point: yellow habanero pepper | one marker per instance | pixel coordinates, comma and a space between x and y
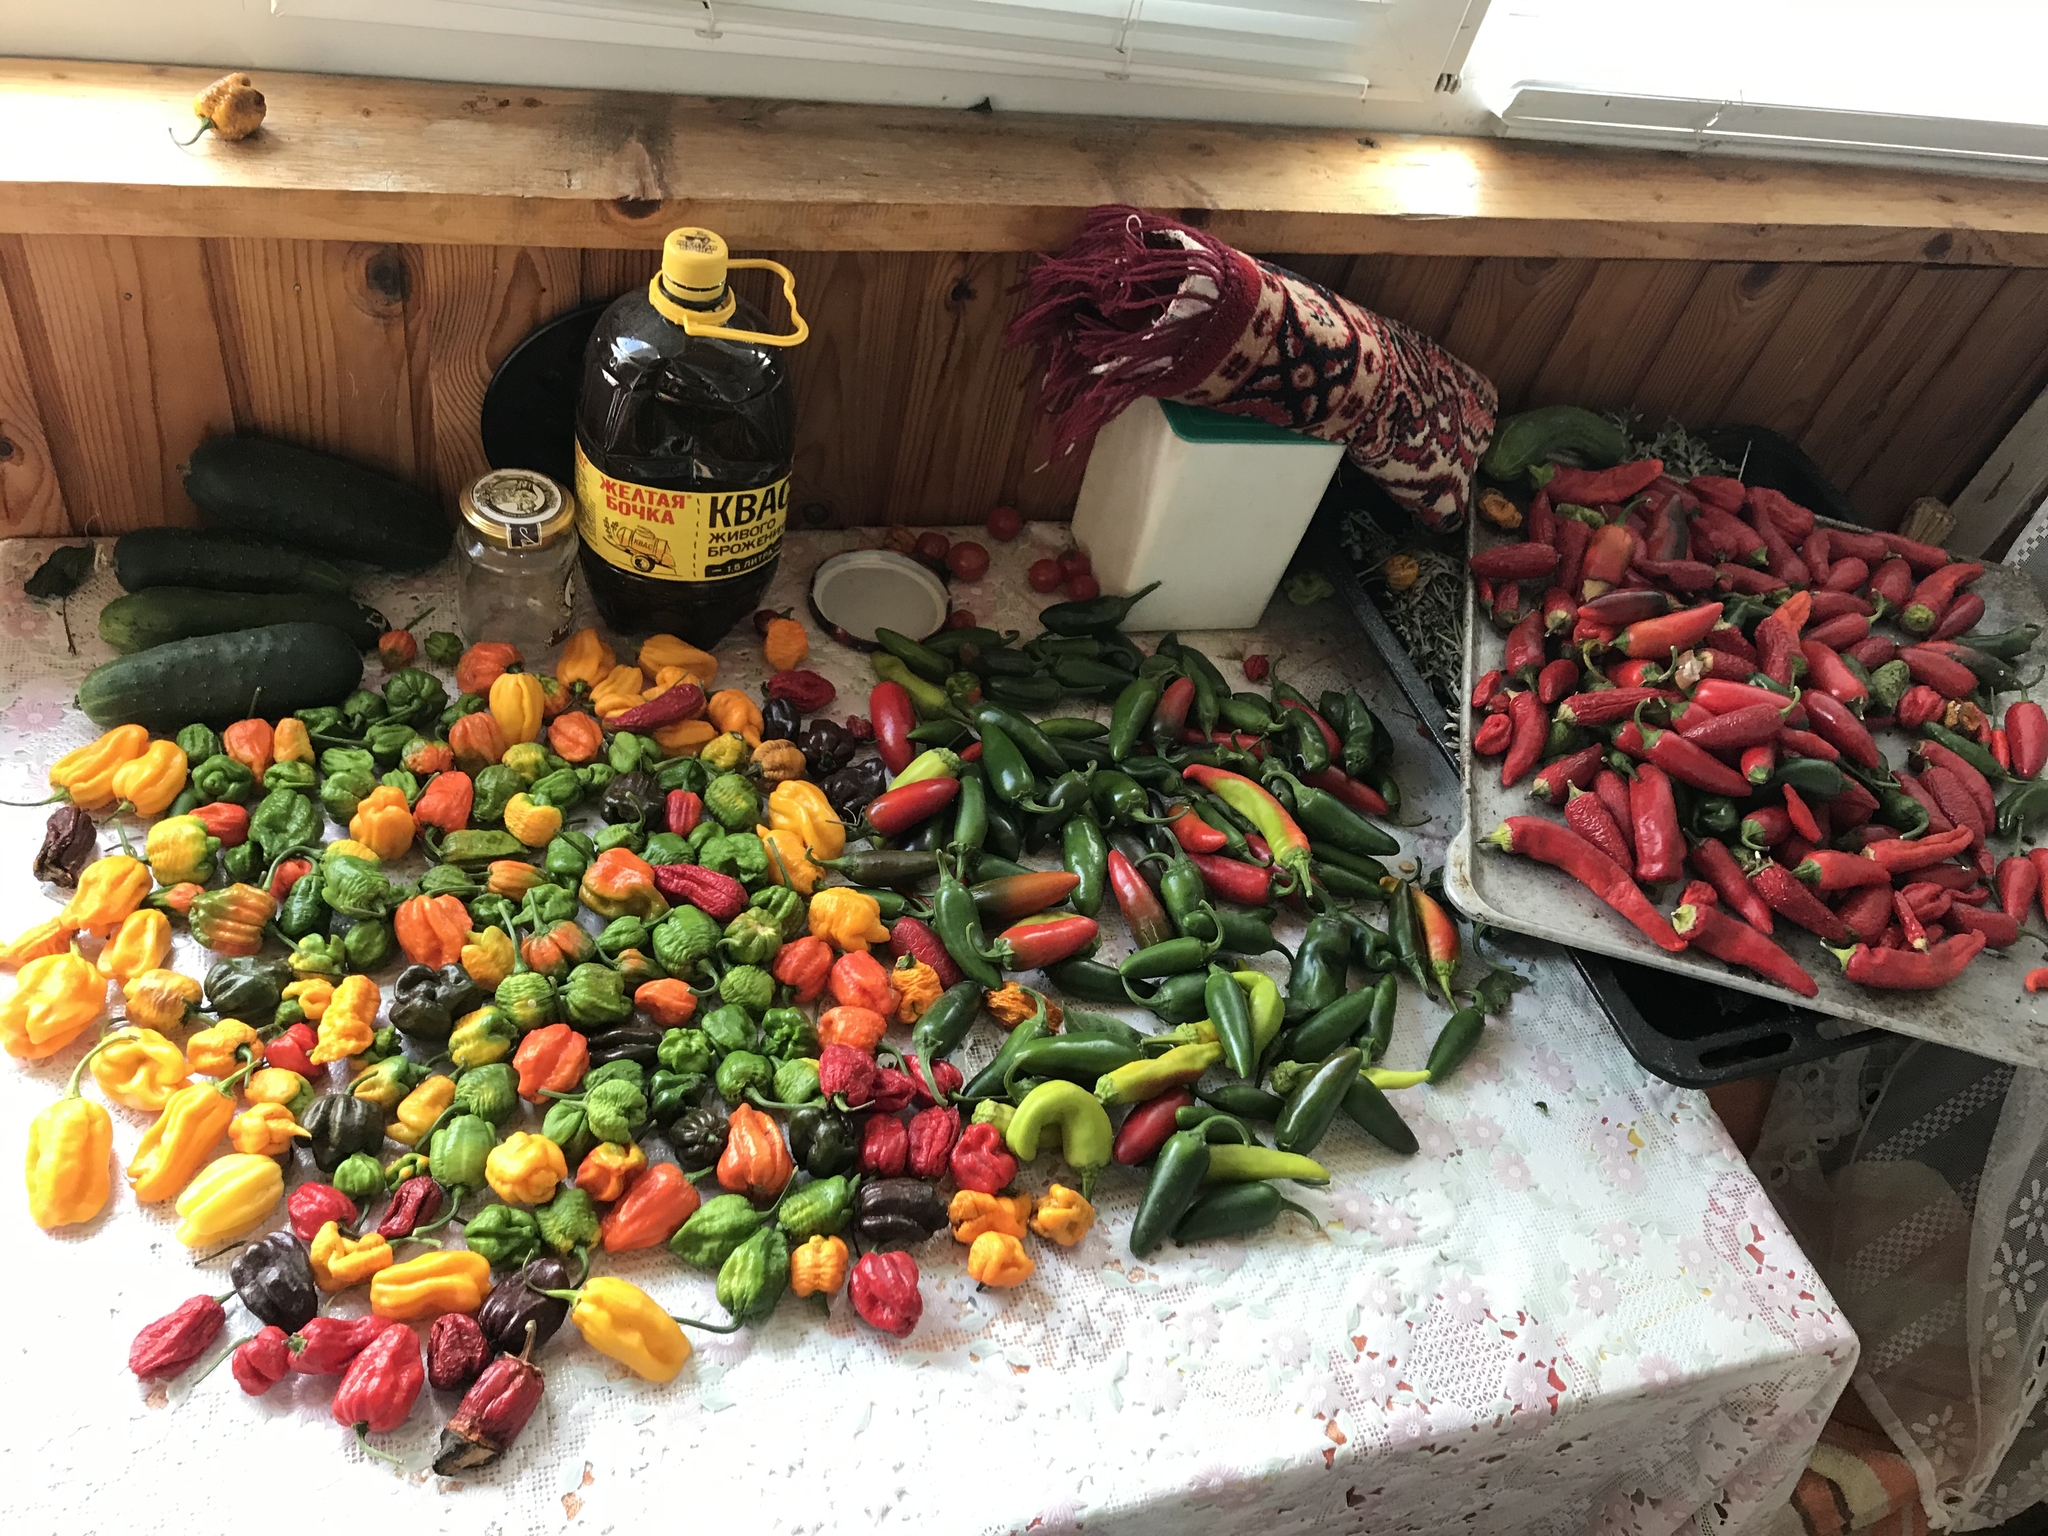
623, 1322
139, 1068
524, 1169
586, 658
799, 806
684, 738
724, 754
141, 943
847, 919
534, 825
1062, 1215
349, 1022
230, 1196
86, 773
616, 692
658, 652
162, 999
55, 1000
516, 703
152, 781
291, 742
340, 1261
351, 848
420, 1109
731, 710
489, 957
973, 1213
917, 987
313, 993
383, 822
49, 937
177, 1142
221, 1049
264, 1129
107, 892
453, 1280
70, 1144
998, 1259
274, 1085
817, 1267
788, 863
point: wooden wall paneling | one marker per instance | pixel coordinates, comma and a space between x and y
1870, 402
477, 303
963, 409
1614, 334
319, 347
119, 336
607, 274
1988, 379
1420, 291
1510, 314
1837, 310
1727, 322
31, 495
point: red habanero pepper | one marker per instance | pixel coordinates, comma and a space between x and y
684, 811
1777, 636
1143, 914
1591, 487
1830, 870
897, 810
1555, 779
1660, 848
2026, 738
378, 1390
1865, 912
1607, 560
2001, 749
1562, 848
1743, 581
1612, 789
1734, 942
229, 823
884, 1147
1711, 860
893, 717
2018, 882
312, 1206
1961, 618
1192, 833
1170, 714
847, 1075
414, 1203
292, 1050
1530, 728
804, 963
1522, 657
981, 1162
1249, 885
1801, 816
324, 1346
1825, 671
1491, 739
1998, 930
1840, 632
169, 1345
1931, 599
1146, 1127
1604, 706
1750, 726
1573, 540
1680, 758
859, 980
1587, 814
716, 895
457, 1352
1790, 899
932, 1133
1918, 705
1045, 940
950, 1080
884, 1291
1360, 797
262, 1360
1905, 970
1514, 562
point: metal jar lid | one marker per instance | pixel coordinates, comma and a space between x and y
519, 509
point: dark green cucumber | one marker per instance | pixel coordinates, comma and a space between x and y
220, 678
1551, 433
189, 557
163, 614
263, 489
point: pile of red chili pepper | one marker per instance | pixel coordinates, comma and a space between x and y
753, 968
1693, 675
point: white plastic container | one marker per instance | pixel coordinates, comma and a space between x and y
1209, 505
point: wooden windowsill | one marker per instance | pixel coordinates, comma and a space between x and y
84, 150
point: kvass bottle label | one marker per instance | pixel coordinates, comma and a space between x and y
672, 535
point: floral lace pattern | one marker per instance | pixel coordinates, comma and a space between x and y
1574, 1309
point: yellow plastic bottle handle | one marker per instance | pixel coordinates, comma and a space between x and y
697, 323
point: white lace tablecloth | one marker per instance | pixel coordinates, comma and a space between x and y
1574, 1309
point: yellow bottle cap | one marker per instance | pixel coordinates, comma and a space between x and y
693, 263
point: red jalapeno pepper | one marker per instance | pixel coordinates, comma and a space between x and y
896, 811
1146, 1128
1143, 914
893, 717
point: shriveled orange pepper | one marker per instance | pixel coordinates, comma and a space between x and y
608, 1168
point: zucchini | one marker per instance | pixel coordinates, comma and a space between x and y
263, 489
163, 614
222, 678
187, 557
1553, 434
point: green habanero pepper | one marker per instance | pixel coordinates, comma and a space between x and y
504, 1234
369, 944
622, 933
742, 1076
754, 1276
595, 995
339, 1126
198, 743
684, 1050
715, 1229
730, 1028
821, 1208
786, 907
341, 793
823, 1141
671, 1095
220, 777
753, 937
786, 1033
749, 987
293, 776
569, 1221
359, 1177
458, 1150
568, 1127
303, 913
529, 1000
490, 1091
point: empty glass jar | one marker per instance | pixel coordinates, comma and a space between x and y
519, 558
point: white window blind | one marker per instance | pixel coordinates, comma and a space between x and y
1353, 49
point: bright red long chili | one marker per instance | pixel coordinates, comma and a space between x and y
1607, 559
1660, 847
1840, 632
1930, 600
1587, 814
1249, 885
1554, 781
1514, 562
1825, 671
1777, 636
1146, 1127
1956, 802
1680, 758
1902, 856
1759, 762
1830, 870
1360, 797
2017, 882
1604, 706
1558, 610
1711, 860
1529, 729
1562, 848
1961, 618
1832, 720
1801, 815
1659, 637
1739, 729
1892, 580
1612, 789
1714, 932
1629, 606
1944, 674
1592, 487
1573, 538
1557, 679
1865, 912
1045, 940
1935, 755
2001, 748
897, 810
1793, 901
1140, 905
1723, 695
1905, 970
893, 717
1911, 924
1998, 930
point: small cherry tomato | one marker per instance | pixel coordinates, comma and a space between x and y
1082, 587
1004, 524
933, 547
967, 560
1074, 563
1044, 575
960, 618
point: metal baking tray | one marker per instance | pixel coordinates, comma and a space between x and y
1986, 1010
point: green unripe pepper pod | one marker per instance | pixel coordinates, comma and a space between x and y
1316, 978
1176, 1000
1231, 1013
1131, 714
1244, 1101
1371, 1113
1178, 1174
1332, 1028
1085, 855
1081, 1121
929, 697
1002, 762
1136, 1081
1460, 1034
1379, 1032
1091, 981
1073, 1058
1170, 957
932, 763
988, 1082
1243, 1165
1237, 1209
1314, 1103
